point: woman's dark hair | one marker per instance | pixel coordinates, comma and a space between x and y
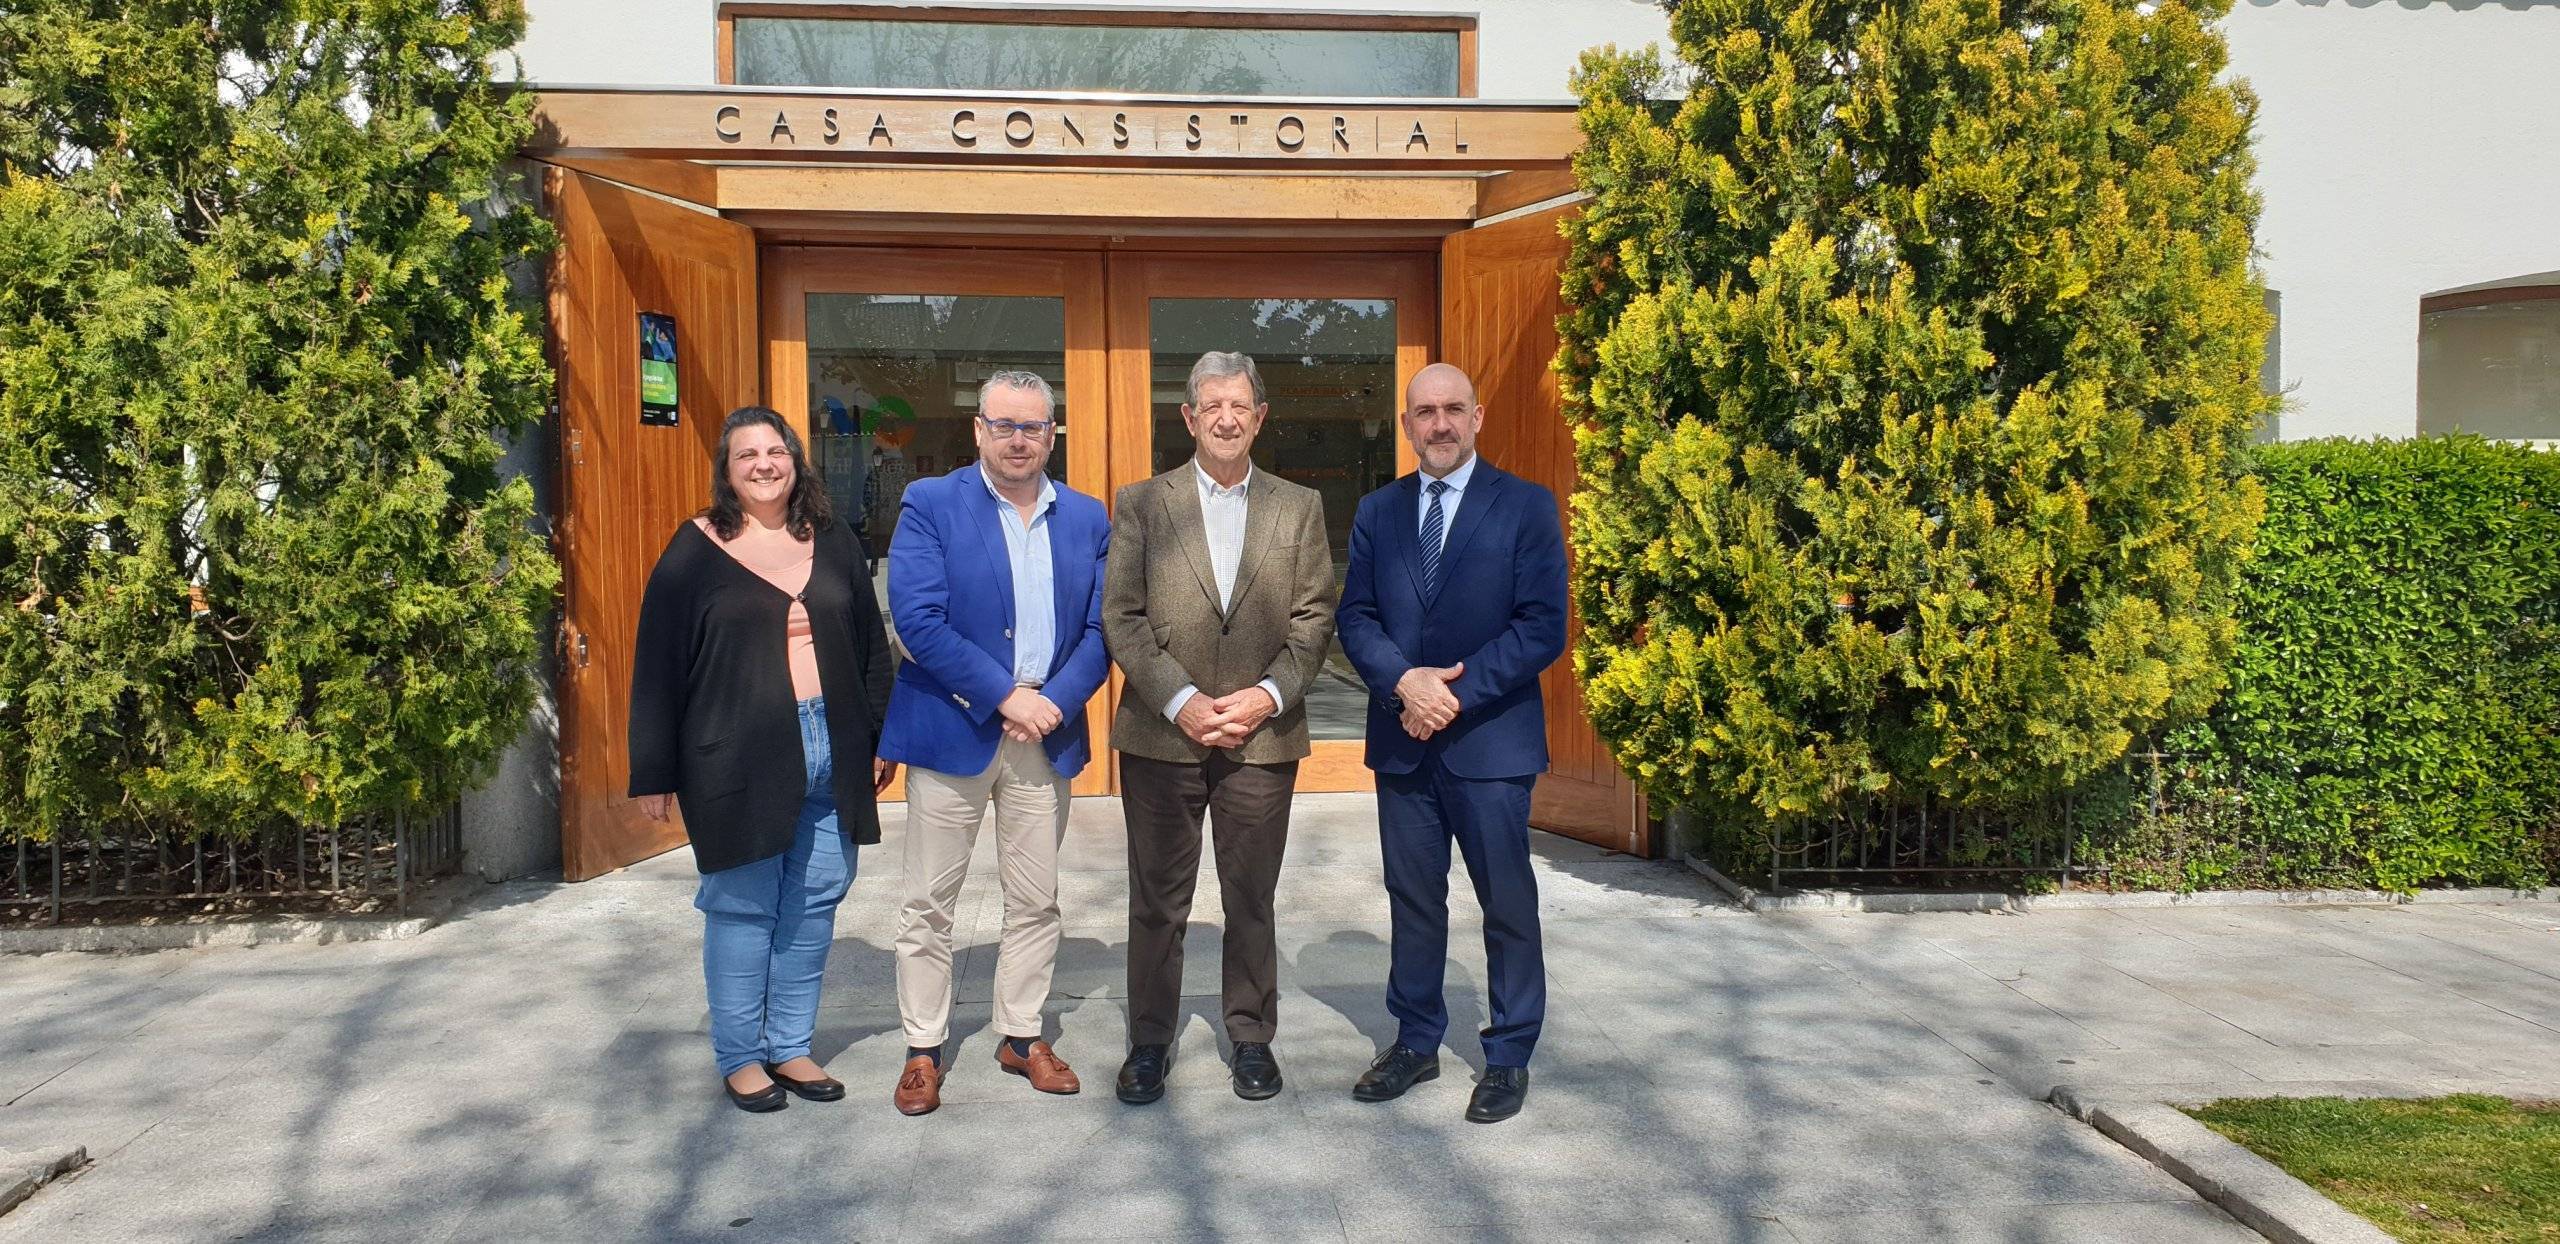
808, 509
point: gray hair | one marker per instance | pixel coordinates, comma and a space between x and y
1025, 381
1217, 364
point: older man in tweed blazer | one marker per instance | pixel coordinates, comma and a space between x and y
1218, 605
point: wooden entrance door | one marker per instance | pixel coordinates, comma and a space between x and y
1499, 300
1335, 337
876, 354
623, 485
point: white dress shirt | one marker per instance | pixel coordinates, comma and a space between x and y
1222, 518
1457, 482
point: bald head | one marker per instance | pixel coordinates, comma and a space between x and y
1441, 418
1437, 377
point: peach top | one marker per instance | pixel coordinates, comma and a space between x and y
786, 565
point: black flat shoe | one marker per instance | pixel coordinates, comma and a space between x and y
763, 1101
1142, 1077
824, 1088
1499, 1094
1395, 1071
1255, 1072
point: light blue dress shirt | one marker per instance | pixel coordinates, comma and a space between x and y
1035, 592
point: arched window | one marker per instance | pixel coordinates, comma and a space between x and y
2489, 361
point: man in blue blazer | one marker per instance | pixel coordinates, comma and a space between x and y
995, 592
1453, 605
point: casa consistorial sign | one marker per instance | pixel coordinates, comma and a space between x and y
731, 125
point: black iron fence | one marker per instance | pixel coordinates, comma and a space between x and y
370, 864
1924, 843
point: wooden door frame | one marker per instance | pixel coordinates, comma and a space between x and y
792, 273
1410, 279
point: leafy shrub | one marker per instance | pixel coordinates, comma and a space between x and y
257, 342
1912, 349
2394, 712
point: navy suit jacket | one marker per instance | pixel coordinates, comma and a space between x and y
1500, 609
951, 602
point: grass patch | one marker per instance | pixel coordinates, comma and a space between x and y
2464, 1168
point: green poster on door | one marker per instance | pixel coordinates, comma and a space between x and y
657, 369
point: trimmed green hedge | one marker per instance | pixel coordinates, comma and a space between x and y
2393, 711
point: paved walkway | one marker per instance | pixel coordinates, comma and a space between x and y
537, 1069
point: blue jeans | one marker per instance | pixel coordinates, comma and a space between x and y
767, 925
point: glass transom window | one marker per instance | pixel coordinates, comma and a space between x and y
1140, 59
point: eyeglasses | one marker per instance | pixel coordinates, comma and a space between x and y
1007, 429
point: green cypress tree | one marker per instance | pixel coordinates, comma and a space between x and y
258, 347
1912, 349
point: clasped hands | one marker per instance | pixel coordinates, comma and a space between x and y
1227, 720
1028, 715
1429, 705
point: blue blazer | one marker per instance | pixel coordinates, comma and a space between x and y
1500, 609
951, 602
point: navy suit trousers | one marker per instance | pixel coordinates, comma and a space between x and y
1419, 815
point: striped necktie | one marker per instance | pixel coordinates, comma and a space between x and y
1431, 528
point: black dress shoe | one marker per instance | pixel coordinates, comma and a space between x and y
1255, 1072
1395, 1071
763, 1101
1499, 1094
824, 1088
1142, 1076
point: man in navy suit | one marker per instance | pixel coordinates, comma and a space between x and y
1453, 605
995, 588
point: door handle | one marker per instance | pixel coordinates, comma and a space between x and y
582, 650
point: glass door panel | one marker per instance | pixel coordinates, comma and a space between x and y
893, 391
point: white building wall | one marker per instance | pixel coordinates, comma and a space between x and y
2402, 151
1525, 47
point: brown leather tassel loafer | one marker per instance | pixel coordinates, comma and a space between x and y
919, 1087
1046, 1071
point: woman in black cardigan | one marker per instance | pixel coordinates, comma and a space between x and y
761, 676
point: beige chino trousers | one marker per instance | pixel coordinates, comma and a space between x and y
943, 814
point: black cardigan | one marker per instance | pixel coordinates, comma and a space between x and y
713, 719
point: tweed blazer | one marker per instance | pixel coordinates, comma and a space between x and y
1161, 620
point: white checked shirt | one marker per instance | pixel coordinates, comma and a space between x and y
1222, 518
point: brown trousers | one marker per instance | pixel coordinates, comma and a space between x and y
1248, 807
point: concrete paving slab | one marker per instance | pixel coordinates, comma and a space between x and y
1706, 1074
2533, 917
1839, 1030
2036, 1072
2140, 1222
1708, 1227
2110, 1002
1840, 1145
